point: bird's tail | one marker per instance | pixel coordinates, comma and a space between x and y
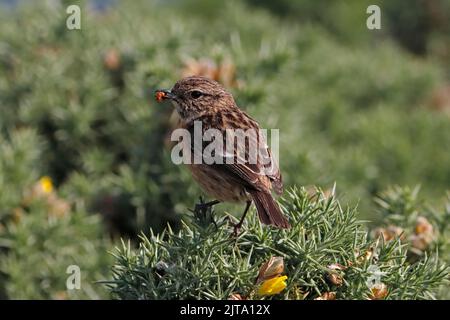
269, 211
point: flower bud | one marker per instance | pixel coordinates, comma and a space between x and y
272, 268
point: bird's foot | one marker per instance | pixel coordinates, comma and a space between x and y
236, 227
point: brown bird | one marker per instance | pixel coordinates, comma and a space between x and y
204, 100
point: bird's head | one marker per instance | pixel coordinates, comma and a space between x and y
196, 96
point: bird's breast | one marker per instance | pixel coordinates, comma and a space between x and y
217, 184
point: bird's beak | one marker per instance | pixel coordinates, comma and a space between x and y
164, 94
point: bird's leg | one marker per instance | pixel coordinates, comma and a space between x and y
237, 226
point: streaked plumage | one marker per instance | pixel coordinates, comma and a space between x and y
202, 99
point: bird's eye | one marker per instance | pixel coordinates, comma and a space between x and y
195, 94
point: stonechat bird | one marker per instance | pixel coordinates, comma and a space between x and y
237, 177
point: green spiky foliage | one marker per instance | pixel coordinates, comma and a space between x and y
423, 226
204, 261
40, 249
41, 234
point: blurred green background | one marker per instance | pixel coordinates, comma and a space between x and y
85, 152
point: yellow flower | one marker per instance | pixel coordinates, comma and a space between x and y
46, 184
272, 286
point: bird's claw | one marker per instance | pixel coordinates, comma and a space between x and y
236, 227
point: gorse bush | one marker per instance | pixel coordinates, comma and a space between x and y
41, 233
327, 254
20, 151
415, 26
40, 247
424, 227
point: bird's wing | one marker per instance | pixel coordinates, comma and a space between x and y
258, 173
268, 162
274, 174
